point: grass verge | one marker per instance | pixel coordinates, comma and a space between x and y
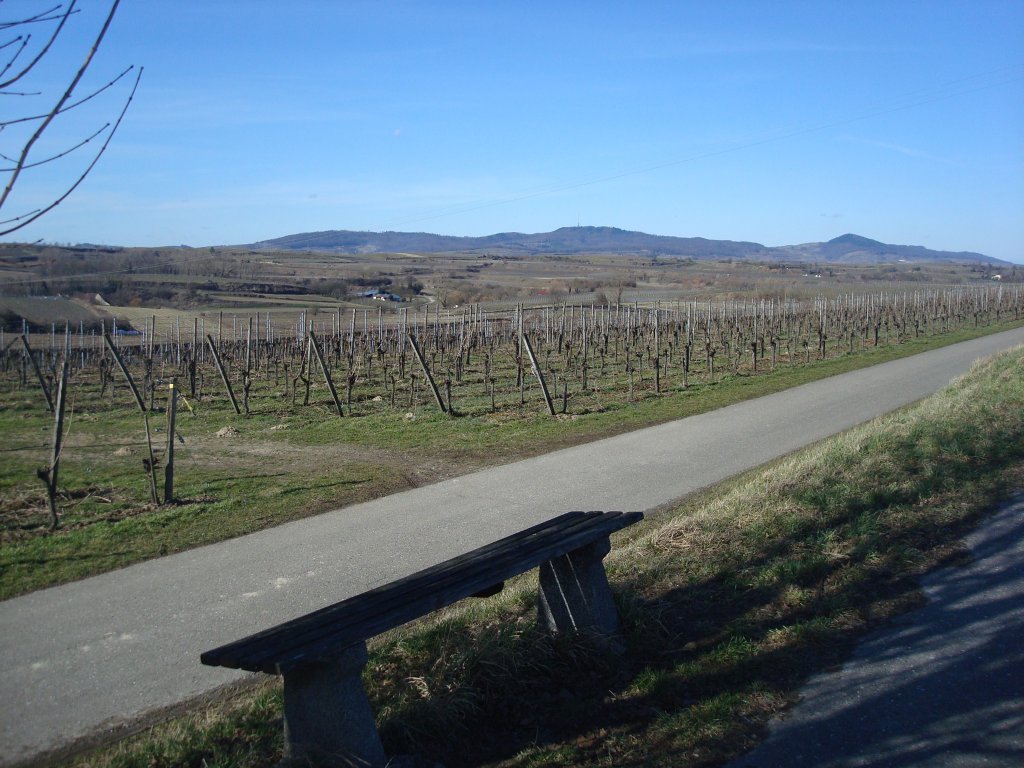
295, 463
729, 603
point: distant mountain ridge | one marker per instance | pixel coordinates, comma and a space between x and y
848, 248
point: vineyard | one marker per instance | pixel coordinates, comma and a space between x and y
352, 372
473, 361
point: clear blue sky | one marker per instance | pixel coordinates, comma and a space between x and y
777, 122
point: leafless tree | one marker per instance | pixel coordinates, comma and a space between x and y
25, 41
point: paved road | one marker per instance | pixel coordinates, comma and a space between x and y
89, 655
942, 687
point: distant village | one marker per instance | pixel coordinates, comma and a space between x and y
379, 295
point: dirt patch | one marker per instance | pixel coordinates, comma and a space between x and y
311, 460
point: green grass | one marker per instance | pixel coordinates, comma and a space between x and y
729, 603
99, 536
295, 461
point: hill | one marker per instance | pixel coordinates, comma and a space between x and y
854, 249
566, 240
848, 248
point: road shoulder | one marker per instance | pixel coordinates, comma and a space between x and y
940, 686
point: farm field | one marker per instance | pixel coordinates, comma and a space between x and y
324, 409
298, 393
295, 390
211, 280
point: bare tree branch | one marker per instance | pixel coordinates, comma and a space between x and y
14, 57
69, 107
85, 173
63, 105
39, 17
18, 218
42, 16
65, 153
54, 112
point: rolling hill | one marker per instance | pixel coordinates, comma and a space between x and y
848, 248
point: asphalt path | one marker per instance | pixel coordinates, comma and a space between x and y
89, 656
941, 687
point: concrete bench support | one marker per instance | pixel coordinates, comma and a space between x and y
327, 716
574, 593
328, 719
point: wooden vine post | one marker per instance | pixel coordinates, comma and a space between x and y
124, 369
223, 373
426, 372
172, 412
49, 475
323, 367
247, 373
39, 375
150, 463
538, 373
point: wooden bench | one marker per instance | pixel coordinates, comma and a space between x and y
321, 655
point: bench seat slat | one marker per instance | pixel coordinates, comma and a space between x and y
407, 609
292, 633
320, 634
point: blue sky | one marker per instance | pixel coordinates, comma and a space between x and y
777, 122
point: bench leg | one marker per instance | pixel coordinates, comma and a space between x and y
327, 716
574, 592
